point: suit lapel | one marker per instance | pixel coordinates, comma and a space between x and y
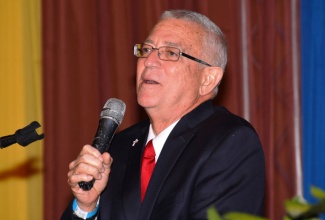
131, 201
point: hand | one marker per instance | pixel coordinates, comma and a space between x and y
90, 164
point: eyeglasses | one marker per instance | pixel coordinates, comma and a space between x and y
164, 53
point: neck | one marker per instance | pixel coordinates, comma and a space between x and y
160, 119
158, 127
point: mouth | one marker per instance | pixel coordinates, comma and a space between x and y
150, 82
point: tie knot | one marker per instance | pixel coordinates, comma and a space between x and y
149, 151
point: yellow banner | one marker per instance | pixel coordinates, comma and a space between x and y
21, 175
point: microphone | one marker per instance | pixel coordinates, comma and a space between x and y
110, 119
23, 136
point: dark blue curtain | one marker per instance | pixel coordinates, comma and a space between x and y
313, 93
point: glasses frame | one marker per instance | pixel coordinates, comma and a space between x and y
137, 46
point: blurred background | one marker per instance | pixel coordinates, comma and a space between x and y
60, 60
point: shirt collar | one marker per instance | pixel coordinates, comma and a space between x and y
159, 140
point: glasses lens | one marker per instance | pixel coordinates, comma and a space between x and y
169, 53
142, 50
164, 53
145, 50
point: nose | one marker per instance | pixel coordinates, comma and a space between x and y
153, 59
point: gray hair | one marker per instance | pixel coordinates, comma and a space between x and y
214, 42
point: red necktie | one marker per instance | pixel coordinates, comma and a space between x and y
147, 166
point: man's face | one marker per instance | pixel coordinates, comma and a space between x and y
166, 86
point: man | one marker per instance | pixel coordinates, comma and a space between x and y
204, 155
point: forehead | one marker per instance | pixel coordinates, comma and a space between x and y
176, 32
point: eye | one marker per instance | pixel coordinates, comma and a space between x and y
145, 50
171, 53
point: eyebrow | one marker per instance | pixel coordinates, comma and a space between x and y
166, 43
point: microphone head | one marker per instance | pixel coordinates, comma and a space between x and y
114, 109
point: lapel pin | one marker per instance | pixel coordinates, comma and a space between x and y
134, 142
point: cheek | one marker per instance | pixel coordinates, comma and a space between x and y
191, 81
182, 81
187, 75
140, 68
139, 65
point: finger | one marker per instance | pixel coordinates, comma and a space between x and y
107, 163
74, 179
88, 149
86, 163
72, 165
85, 160
85, 153
90, 168
107, 159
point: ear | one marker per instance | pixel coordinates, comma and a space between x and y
211, 77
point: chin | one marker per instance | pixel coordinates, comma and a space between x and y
145, 102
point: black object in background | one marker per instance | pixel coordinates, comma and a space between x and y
23, 136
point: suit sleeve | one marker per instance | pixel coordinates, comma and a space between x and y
233, 176
68, 213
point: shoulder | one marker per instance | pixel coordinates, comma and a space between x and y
222, 117
216, 129
214, 118
230, 128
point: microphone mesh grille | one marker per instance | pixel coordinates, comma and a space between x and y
115, 109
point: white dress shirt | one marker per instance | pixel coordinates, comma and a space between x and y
159, 140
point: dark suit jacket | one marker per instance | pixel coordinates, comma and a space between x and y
211, 158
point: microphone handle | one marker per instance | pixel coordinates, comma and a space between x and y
104, 135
